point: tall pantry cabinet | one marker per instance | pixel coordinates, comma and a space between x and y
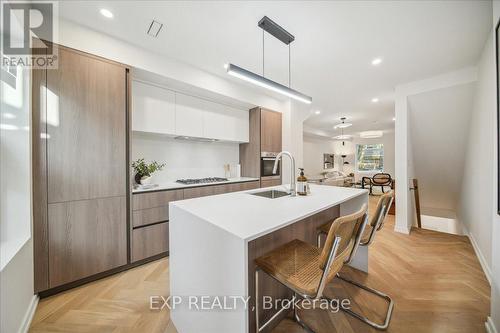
80, 173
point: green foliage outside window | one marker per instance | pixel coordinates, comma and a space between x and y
370, 157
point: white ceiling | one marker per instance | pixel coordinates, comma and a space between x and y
331, 56
439, 142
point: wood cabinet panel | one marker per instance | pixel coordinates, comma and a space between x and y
149, 241
153, 109
196, 192
155, 199
271, 128
250, 152
270, 182
150, 215
220, 189
86, 237
39, 183
243, 186
86, 123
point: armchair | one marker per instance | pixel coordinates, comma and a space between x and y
379, 179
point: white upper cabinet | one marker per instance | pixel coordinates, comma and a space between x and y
189, 115
153, 109
159, 110
226, 123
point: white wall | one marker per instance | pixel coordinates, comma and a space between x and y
184, 159
294, 115
315, 147
16, 248
440, 122
495, 285
475, 207
479, 194
404, 154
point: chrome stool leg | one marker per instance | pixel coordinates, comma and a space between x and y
298, 319
376, 293
321, 233
259, 328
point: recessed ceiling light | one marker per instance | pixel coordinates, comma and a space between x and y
394, 119
317, 112
376, 61
226, 66
106, 13
375, 100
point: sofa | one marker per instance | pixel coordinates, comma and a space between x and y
337, 178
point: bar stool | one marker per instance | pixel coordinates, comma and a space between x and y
376, 223
305, 269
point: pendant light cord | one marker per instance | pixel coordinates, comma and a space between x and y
289, 66
263, 51
289, 61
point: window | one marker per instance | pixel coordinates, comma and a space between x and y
370, 157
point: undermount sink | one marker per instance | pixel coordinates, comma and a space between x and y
271, 194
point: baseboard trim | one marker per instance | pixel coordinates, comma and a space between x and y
490, 326
479, 254
402, 230
28, 316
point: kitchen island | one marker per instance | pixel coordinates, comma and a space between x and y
214, 241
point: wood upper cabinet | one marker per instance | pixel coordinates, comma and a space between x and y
270, 131
153, 109
86, 128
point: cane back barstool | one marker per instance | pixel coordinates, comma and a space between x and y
306, 269
376, 223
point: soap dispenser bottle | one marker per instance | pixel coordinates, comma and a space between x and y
301, 183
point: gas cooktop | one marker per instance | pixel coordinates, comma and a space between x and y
201, 180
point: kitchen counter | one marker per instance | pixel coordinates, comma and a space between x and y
176, 186
214, 241
249, 216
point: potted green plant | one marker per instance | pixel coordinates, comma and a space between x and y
143, 170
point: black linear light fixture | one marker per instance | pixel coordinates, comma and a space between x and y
269, 26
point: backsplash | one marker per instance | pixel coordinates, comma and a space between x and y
184, 159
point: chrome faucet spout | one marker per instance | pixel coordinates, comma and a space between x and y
292, 169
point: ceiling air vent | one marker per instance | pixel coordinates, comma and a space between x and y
154, 28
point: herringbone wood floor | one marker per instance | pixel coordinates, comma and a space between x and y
435, 280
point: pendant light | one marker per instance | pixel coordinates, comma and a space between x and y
342, 136
269, 26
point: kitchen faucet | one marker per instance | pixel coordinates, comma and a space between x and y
292, 170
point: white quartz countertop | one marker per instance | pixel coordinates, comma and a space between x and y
249, 216
175, 185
